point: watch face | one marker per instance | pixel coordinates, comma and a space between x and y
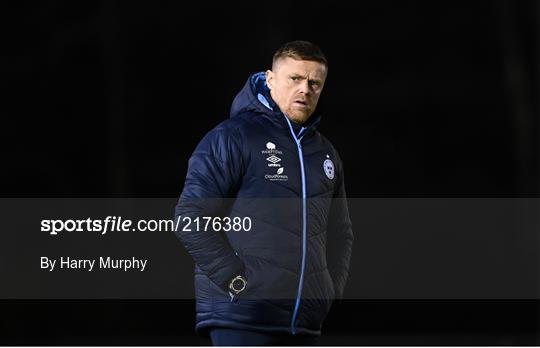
238, 284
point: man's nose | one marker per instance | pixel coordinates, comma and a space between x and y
304, 87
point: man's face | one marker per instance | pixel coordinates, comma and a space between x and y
296, 85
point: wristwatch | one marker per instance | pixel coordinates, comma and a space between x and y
237, 285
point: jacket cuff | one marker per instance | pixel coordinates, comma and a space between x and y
230, 268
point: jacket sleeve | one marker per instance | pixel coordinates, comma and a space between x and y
214, 174
339, 235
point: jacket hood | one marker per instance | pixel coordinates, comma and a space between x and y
255, 97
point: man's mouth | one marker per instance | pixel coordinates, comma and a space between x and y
300, 102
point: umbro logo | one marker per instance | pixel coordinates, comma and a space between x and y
272, 152
273, 159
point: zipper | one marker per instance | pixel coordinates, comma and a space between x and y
304, 222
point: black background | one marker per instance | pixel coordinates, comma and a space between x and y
423, 99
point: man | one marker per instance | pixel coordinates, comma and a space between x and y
273, 281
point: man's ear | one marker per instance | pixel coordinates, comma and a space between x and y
269, 78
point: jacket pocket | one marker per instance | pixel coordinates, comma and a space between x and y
267, 280
221, 294
248, 274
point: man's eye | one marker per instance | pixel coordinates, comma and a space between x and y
294, 78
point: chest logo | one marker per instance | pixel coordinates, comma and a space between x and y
272, 154
279, 176
271, 150
273, 161
328, 167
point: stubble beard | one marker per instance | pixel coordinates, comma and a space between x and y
298, 116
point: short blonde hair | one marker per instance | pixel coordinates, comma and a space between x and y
300, 50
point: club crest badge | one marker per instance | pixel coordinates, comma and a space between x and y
328, 167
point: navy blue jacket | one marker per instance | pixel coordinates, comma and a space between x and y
288, 181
